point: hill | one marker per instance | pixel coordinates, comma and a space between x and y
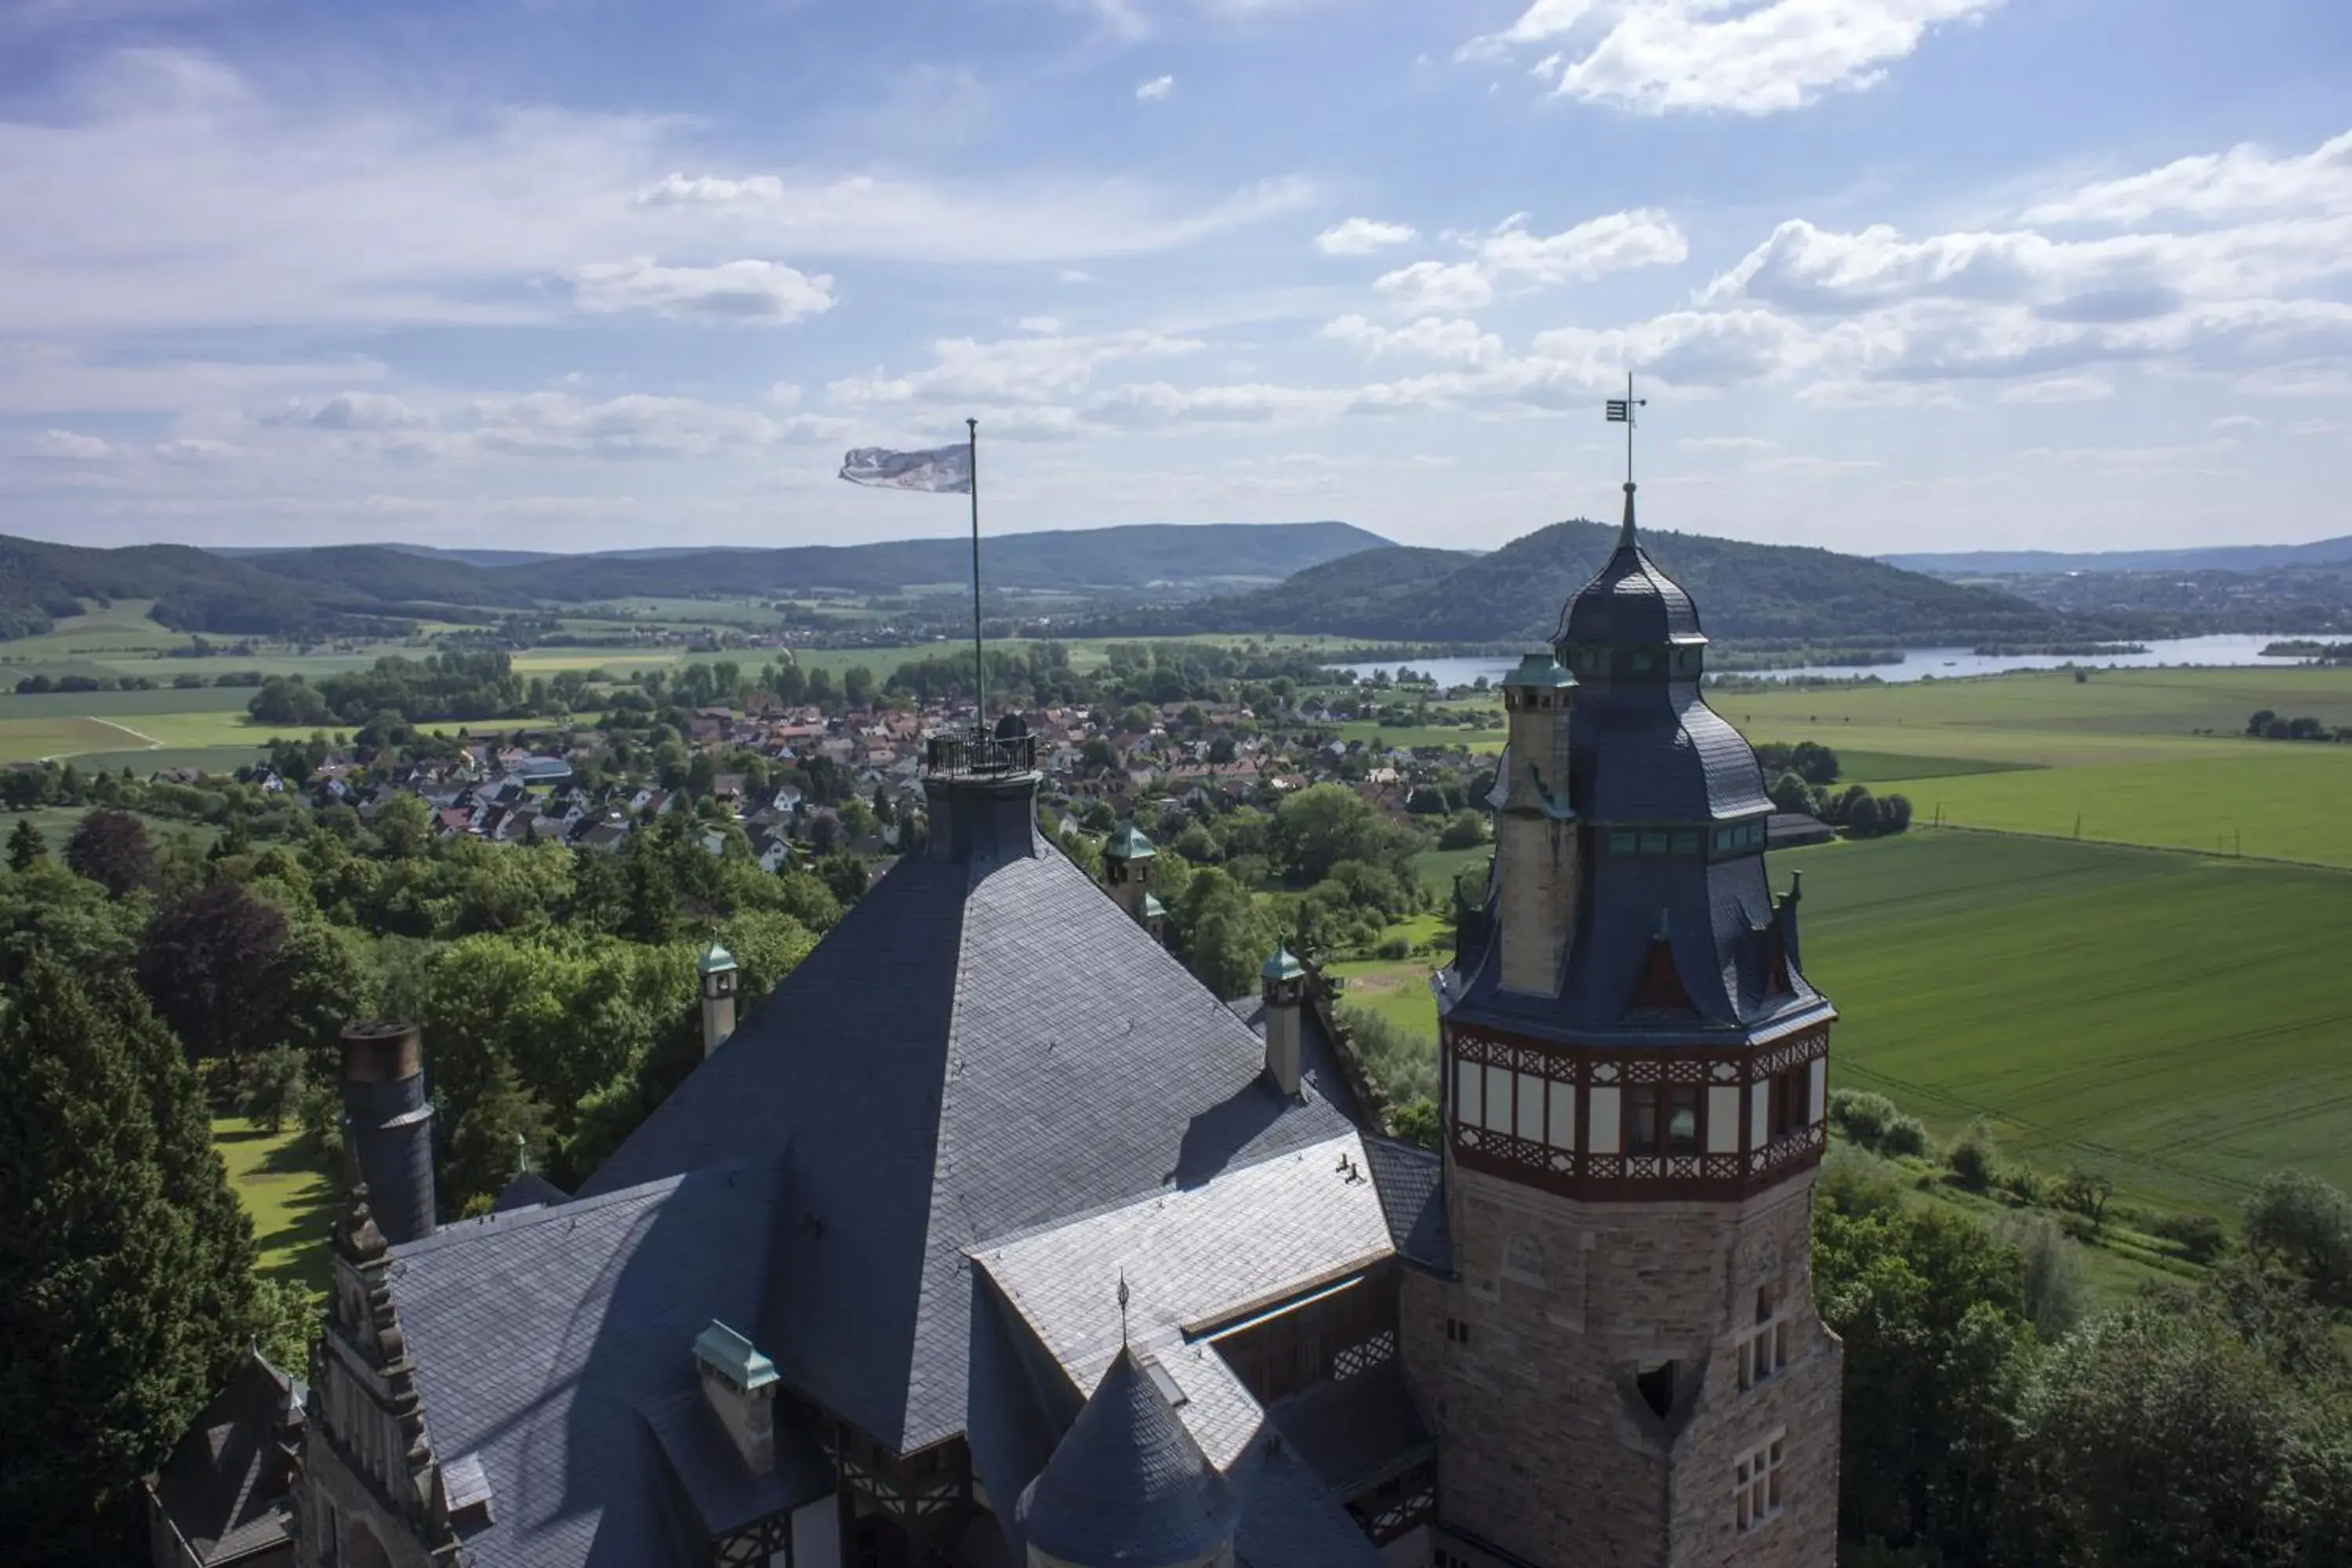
2213, 558
370, 587
1140, 556
1751, 593
193, 590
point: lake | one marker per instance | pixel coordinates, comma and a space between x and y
1944, 663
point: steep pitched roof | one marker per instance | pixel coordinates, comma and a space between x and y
225, 1488
984, 1045
1126, 1484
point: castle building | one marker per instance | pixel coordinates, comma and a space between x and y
991, 1238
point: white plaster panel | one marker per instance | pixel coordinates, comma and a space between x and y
1723, 1118
1604, 1118
1467, 1100
1760, 1110
1821, 1073
1561, 1134
1498, 1099
1531, 1108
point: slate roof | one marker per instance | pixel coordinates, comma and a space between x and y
986, 1043
1411, 1185
226, 1487
1630, 601
1127, 1484
1647, 754
1358, 1431
544, 1337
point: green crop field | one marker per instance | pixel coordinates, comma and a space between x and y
2281, 800
116, 704
2173, 1020
1876, 767
30, 740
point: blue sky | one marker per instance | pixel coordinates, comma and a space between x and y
578, 274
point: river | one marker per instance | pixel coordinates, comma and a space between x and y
1920, 663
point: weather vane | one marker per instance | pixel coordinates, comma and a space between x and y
1620, 411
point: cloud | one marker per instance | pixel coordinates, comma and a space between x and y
2059, 389
1741, 57
68, 444
348, 411
1008, 372
2242, 181
1431, 337
747, 290
1362, 236
1725, 443
197, 449
1613, 242
161, 190
2117, 280
1158, 88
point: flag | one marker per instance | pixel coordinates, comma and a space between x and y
942, 470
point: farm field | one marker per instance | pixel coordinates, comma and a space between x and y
2175, 1021
2277, 799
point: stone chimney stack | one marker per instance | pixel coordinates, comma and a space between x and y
739, 1384
388, 1125
1535, 830
1283, 984
716, 969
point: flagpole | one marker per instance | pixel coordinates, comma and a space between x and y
979, 657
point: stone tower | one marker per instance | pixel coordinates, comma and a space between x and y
1627, 1366
390, 1125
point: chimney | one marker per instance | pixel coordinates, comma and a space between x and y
1283, 984
739, 1384
1535, 829
716, 969
388, 1125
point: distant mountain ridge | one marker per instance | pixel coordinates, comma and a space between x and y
328, 589
2204, 558
1755, 593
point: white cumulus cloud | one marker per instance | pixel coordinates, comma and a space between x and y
2242, 181
1158, 88
1613, 242
745, 290
1741, 57
68, 444
1362, 236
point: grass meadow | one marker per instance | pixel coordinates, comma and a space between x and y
290, 1200
2175, 1021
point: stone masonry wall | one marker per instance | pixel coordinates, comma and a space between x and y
1549, 1448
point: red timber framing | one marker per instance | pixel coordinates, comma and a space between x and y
1546, 1138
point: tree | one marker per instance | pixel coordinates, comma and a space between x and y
506, 1125
126, 1284
110, 848
1790, 792
845, 875
2158, 1438
206, 965
2306, 1224
1325, 823
1467, 830
26, 845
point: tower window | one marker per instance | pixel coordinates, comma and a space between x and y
1653, 844
1756, 1484
1656, 1381
1764, 1350
1662, 1121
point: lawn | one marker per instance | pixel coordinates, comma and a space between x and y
2173, 1020
292, 1200
1438, 867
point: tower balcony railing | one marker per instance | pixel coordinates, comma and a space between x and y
978, 753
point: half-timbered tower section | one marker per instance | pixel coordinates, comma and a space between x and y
1626, 1366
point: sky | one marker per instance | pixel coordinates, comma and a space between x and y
598, 274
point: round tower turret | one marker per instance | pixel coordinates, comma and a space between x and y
1128, 1488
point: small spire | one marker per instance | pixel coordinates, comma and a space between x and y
1625, 540
1122, 1309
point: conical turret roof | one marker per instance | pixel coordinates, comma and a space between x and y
1127, 1486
